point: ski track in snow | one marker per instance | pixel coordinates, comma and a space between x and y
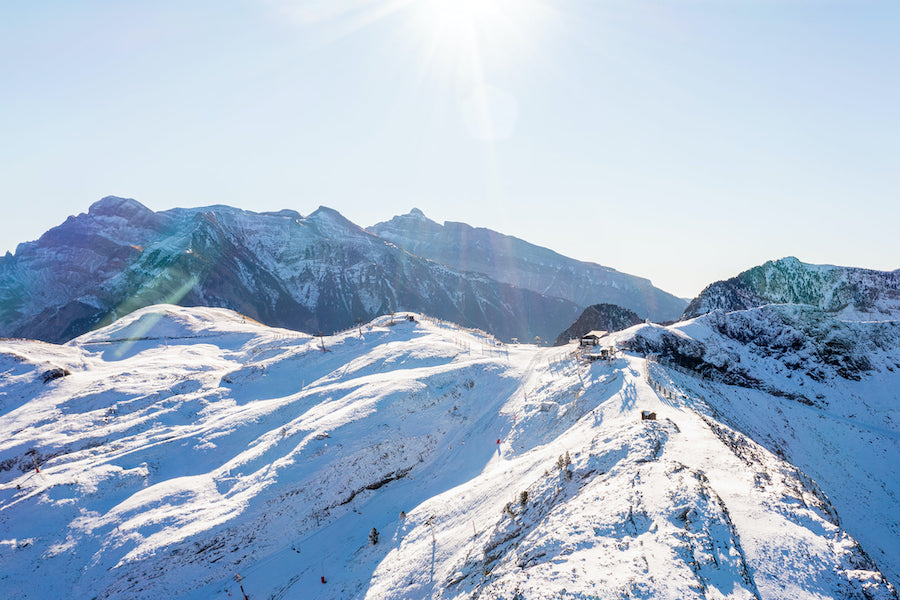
189, 445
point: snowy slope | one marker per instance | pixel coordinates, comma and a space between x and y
822, 393
179, 447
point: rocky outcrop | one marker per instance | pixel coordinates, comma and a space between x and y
602, 317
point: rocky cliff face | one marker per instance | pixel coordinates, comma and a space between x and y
849, 292
314, 273
602, 317
514, 261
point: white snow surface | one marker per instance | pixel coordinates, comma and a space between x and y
180, 447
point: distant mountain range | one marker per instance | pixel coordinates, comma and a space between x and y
323, 273
514, 261
319, 273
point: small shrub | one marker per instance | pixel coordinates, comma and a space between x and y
48, 376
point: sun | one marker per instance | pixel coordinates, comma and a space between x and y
461, 18
474, 31
464, 35
461, 49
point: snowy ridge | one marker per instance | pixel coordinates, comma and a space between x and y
180, 446
851, 293
820, 392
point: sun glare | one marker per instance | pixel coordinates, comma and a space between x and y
461, 16
462, 35
474, 29
461, 46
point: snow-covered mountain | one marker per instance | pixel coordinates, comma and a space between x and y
822, 393
166, 453
514, 261
315, 273
848, 292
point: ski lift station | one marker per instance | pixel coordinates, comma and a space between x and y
592, 338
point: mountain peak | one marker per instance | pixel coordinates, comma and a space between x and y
789, 261
325, 214
329, 222
115, 206
852, 292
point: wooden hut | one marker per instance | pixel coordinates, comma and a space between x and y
591, 338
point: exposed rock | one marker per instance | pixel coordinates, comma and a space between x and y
602, 317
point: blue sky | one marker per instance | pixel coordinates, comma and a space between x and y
683, 141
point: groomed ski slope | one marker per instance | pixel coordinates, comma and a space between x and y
186, 446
